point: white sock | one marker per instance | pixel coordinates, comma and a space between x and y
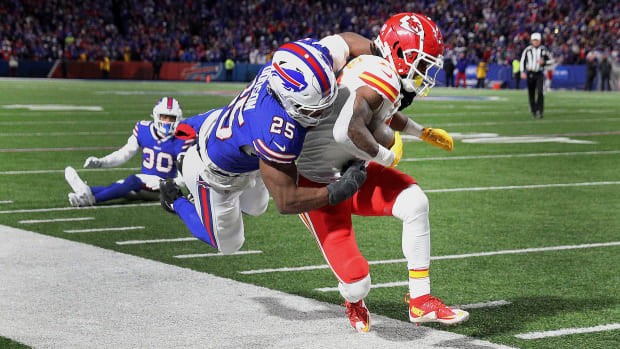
411, 206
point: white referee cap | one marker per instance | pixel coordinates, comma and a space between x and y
535, 36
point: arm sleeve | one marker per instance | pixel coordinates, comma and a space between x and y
522, 65
338, 48
122, 155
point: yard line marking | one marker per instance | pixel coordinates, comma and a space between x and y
71, 231
154, 241
566, 331
6, 202
63, 122
52, 107
46, 134
482, 304
454, 256
32, 221
218, 254
23, 150
78, 208
494, 123
63, 171
531, 186
502, 156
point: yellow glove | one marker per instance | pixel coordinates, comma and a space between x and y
397, 148
438, 137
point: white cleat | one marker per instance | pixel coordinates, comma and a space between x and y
77, 200
82, 195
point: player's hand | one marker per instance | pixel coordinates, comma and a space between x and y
168, 193
92, 161
438, 137
397, 149
352, 179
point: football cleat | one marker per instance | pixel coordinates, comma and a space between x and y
77, 200
80, 188
431, 309
358, 315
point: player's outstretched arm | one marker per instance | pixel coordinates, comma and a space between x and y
116, 158
281, 181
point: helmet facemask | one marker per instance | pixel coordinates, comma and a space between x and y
308, 115
166, 128
421, 76
167, 114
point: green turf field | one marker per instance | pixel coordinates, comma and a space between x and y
515, 183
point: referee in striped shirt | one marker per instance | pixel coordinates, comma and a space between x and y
534, 59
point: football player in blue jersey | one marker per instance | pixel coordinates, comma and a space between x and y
160, 149
248, 149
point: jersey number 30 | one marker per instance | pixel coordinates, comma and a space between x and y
158, 161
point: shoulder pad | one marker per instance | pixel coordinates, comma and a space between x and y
376, 73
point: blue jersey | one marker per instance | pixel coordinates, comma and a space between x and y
158, 155
254, 125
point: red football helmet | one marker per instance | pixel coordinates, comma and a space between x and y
413, 45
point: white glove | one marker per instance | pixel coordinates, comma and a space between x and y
92, 162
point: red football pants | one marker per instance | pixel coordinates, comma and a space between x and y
332, 227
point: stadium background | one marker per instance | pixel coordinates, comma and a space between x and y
523, 212
61, 38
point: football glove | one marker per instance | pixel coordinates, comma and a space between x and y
397, 148
352, 179
438, 137
92, 161
168, 193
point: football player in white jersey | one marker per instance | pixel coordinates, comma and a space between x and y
409, 50
247, 150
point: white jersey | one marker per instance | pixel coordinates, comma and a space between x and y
327, 147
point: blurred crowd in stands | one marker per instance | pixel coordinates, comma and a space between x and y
495, 31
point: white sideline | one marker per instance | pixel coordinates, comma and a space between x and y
154, 241
434, 258
6, 202
509, 156
72, 231
52, 209
63, 171
52, 220
58, 293
566, 331
216, 254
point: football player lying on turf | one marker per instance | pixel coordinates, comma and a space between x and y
248, 149
160, 149
410, 48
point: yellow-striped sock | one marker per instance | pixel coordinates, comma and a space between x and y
419, 282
